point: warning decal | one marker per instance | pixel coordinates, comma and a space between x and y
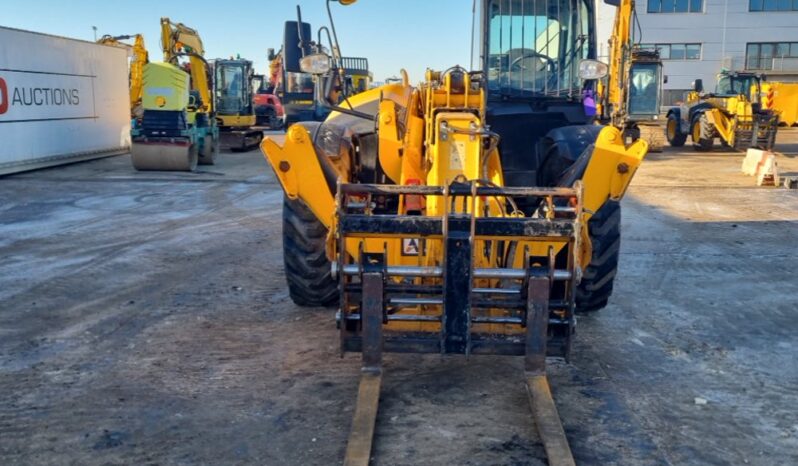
411, 246
457, 155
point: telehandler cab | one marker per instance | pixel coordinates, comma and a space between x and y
475, 213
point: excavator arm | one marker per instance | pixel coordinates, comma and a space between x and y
620, 51
177, 40
140, 58
630, 98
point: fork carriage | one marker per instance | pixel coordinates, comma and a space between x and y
476, 279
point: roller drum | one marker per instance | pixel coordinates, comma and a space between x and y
164, 157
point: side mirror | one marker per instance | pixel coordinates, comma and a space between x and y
346, 2
613, 2
292, 51
665, 79
698, 85
764, 77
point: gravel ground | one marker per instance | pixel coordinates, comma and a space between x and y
144, 320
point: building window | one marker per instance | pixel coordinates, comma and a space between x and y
678, 6
759, 56
675, 51
773, 5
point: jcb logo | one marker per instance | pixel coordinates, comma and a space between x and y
3, 96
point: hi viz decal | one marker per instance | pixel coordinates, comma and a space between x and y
44, 96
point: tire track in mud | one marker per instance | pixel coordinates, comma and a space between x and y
69, 287
109, 252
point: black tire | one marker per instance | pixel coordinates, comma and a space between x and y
275, 123
210, 149
673, 132
594, 291
307, 269
702, 133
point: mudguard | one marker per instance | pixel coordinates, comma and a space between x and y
561, 148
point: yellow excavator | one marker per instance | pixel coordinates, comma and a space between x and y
140, 59
476, 213
235, 112
178, 127
631, 95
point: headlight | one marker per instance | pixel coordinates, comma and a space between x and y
317, 63
592, 69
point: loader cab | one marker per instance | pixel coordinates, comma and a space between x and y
531, 52
531, 49
734, 84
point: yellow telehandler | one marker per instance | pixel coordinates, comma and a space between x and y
733, 113
476, 213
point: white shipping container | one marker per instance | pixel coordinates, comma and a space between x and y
61, 100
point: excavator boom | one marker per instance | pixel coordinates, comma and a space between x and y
140, 58
178, 40
630, 99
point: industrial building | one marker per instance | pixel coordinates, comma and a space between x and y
699, 38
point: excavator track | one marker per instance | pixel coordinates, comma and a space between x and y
241, 140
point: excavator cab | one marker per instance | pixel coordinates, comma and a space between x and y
233, 88
645, 90
235, 111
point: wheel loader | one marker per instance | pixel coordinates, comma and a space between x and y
178, 127
733, 113
475, 213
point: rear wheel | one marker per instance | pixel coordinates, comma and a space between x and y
272, 119
595, 289
307, 269
673, 131
701, 132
